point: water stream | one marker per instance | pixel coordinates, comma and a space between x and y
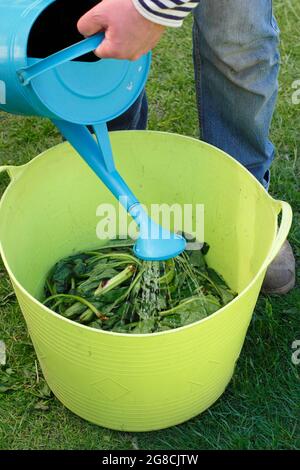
150, 290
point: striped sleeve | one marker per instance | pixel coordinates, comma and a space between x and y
165, 12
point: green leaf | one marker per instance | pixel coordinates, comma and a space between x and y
95, 277
162, 302
162, 327
171, 322
79, 267
124, 310
110, 323
197, 260
62, 276
169, 274
198, 306
226, 294
115, 281
144, 327
87, 317
97, 324
113, 295
74, 311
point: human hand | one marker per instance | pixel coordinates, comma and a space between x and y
128, 35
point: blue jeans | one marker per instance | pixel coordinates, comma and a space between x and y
236, 62
135, 118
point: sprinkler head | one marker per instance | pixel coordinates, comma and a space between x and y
155, 243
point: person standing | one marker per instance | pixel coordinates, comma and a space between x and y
236, 61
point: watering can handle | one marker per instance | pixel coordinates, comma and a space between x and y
70, 53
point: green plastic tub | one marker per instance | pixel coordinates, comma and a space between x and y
138, 382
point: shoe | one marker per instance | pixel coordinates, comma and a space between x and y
280, 276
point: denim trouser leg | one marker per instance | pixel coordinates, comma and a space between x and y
135, 118
236, 69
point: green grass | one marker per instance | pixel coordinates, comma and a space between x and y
260, 407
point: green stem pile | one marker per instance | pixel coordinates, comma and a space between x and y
112, 290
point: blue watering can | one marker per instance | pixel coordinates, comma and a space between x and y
46, 69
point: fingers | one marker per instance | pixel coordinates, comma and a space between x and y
92, 22
111, 50
106, 50
128, 35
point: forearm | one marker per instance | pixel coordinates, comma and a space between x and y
165, 12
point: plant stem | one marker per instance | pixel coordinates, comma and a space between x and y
168, 277
78, 299
122, 256
115, 281
174, 310
130, 288
118, 244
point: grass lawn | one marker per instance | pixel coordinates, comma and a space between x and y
261, 407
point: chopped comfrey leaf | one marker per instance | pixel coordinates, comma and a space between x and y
97, 325
62, 277
197, 260
226, 294
192, 317
161, 328
79, 268
113, 295
171, 322
74, 311
94, 280
110, 289
144, 327
202, 306
117, 280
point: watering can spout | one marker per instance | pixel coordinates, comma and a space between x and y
155, 243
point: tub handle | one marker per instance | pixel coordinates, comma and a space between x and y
286, 221
12, 171
27, 74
